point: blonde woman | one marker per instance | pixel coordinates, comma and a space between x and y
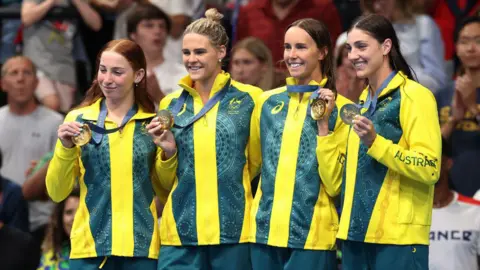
205, 221
252, 63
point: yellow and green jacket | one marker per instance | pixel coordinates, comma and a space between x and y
117, 214
210, 198
293, 206
387, 189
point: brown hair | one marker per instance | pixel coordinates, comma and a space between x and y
318, 31
146, 11
55, 236
258, 48
134, 55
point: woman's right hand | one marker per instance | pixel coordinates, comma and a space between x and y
163, 138
68, 130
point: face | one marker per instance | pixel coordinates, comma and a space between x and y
301, 55
365, 53
246, 68
151, 35
384, 7
19, 81
116, 76
200, 57
468, 46
71, 205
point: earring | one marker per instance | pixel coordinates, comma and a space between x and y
136, 85
220, 60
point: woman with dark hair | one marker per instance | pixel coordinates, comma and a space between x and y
56, 246
105, 146
294, 220
459, 109
393, 156
420, 39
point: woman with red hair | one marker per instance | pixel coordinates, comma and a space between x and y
104, 146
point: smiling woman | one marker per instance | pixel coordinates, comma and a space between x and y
205, 222
392, 164
116, 222
294, 216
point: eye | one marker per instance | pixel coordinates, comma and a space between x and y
287, 46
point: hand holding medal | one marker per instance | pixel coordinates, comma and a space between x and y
323, 105
74, 133
159, 129
365, 129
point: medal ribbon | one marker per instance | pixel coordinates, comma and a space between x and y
305, 89
208, 106
99, 127
371, 103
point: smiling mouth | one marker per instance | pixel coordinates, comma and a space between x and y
194, 68
295, 65
359, 65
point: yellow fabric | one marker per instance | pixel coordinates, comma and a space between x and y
403, 206
323, 223
204, 187
67, 167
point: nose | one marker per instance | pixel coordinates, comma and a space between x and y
352, 55
108, 77
192, 58
293, 53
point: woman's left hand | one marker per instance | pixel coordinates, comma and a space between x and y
365, 130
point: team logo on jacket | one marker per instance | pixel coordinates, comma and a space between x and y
234, 105
278, 108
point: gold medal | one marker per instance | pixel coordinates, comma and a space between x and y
84, 136
318, 108
348, 113
166, 119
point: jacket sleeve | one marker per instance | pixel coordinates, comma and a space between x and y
420, 161
63, 169
331, 151
165, 170
254, 144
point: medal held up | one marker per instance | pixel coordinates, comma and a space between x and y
318, 107
166, 119
84, 137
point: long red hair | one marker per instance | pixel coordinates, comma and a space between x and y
135, 56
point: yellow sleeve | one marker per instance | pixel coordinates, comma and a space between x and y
421, 131
254, 144
331, 151
63, 169
165, 170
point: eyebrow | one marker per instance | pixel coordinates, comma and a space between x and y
118, 68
